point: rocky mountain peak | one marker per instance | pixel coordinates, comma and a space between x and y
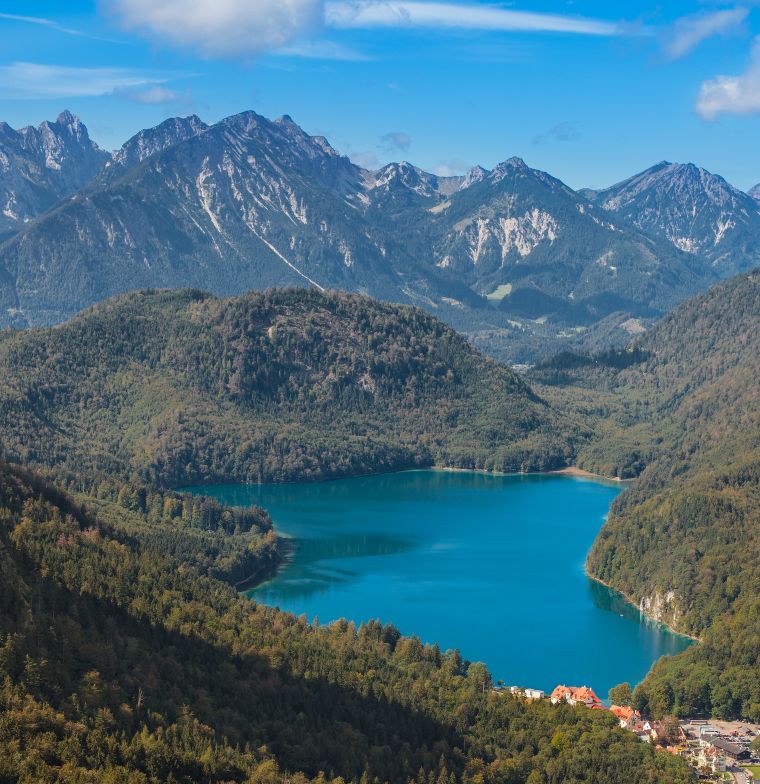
475, 174
42, 165
66, 118
151, 141
696, 210
405, 175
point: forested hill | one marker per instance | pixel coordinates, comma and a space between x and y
173, 388
684, 541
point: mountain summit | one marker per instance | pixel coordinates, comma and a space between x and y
698, 212
39, 166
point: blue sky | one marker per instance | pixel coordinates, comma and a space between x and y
589, 91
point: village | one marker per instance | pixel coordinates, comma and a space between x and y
717, 750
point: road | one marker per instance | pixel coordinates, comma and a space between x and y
740, 775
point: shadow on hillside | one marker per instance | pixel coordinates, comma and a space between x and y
309, 724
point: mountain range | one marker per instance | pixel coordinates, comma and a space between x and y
512, 257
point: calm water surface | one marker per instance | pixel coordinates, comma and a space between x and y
492, 565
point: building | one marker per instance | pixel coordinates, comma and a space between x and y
576, 695
534, 694
733, 752
625, 715
641, 729
708, 731
710, 758
560, 694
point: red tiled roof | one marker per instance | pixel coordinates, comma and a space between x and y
624, 712
585, 693
582, 694
561, 692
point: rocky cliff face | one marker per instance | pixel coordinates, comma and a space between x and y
662, 607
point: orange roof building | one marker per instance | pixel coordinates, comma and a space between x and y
560, 694
576, 695
586, 695
625, 713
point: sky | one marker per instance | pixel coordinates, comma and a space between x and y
590, 91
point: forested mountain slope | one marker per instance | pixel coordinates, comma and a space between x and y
684, 541
180, 387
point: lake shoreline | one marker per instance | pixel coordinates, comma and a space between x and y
525, 492
630, 600
582, 473
570, 471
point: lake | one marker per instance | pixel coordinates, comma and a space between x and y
491, 565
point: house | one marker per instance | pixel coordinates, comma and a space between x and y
641, 729
708, 731
534, 694
560, 694
709, 757
576, 695
585, 696
625, 715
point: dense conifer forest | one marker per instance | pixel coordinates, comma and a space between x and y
179, 388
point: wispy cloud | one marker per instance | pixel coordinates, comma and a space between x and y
561, 132
248, 28
152, 96
690, 31
366, 159
451, 168
346, 14
732, 94
51, 24
321, 50
34, 80
395, 141
220, 28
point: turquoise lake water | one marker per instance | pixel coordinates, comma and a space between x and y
491, 565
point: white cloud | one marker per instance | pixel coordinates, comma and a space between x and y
247, 28
321, 50
732, 94
690, 31
33, 80
367, 160
220, 28
410, 13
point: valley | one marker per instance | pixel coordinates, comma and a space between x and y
239, 310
